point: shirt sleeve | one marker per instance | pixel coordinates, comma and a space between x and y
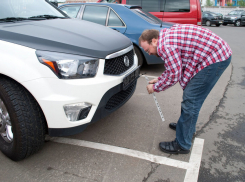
173, 65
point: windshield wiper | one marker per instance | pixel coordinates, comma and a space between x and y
12, 19
46, 17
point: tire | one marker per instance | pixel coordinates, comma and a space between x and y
26, 121
217, 25
238, 23
139, 56
224, 24
208, 23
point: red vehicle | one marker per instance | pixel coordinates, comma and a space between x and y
177, 11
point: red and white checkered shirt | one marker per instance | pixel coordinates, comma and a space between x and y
186, 50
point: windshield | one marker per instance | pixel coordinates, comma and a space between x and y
214, 14
235, 13
147, 16
27, 8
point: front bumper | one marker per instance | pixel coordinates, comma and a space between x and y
115, 96
217, 22
53, 93
230, 21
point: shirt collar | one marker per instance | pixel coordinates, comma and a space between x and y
161, 40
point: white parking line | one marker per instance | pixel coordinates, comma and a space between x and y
192, 167
195, 160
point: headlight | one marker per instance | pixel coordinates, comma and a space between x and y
233, 18
68, 66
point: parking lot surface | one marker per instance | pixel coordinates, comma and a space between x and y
124, 145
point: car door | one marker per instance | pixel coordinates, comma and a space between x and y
103, 15
243, 18
71, 10
204, 18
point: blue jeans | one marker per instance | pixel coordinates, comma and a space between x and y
194, 95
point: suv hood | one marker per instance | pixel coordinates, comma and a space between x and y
232, 15
65, 36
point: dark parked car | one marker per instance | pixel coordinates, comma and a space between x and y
243, 18
210, 18
130, 20
234, 17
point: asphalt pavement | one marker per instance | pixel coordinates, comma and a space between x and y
123, 147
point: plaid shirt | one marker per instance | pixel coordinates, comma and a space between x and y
186, 50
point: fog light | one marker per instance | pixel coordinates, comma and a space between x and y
75, 112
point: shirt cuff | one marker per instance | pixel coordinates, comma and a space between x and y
154, 88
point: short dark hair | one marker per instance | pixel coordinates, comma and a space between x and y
148, 35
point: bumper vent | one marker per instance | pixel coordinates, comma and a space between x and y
119, 98
116, 66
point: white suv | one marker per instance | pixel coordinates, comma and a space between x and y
57, 74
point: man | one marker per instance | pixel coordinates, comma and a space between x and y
196, 58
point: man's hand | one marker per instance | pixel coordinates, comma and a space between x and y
153, 81
150, 88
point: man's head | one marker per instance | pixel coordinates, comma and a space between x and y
148, 41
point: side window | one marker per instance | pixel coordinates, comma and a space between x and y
71, 11
114, 20
134, 2
147, 5
175, 5
151, 6
96, 14
161, 5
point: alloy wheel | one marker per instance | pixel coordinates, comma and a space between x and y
5, 124
208, 23
238, 23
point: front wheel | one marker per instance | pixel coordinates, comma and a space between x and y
238, 23
208, 23
139, 56
224, 24
22, 123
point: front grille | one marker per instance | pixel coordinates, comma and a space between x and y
116, 66
119, 98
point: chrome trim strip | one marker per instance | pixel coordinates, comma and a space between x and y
107, 17
129, 70
119, 53
82, 11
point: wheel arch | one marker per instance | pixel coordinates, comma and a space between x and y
5, 76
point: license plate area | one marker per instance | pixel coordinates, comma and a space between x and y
130, 78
